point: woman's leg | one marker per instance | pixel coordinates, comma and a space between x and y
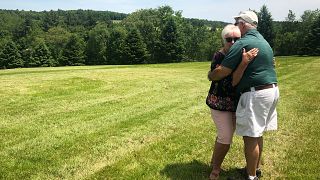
225, 124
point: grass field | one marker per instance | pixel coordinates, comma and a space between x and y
144, 122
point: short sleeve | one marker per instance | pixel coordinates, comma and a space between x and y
233, 57
216, 60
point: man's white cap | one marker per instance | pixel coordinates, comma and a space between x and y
248, 16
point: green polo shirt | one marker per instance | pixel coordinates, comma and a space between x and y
261, 70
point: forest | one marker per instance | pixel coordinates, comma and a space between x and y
159, 35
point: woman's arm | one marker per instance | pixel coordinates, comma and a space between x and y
216, 61
247, 57
219, 73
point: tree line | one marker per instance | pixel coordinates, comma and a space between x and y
161, 35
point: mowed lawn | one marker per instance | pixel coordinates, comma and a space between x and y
144, 122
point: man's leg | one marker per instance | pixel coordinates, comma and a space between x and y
251, 150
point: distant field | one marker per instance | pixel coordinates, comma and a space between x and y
144, 122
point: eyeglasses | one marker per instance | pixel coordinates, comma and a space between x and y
238, 22
230, 39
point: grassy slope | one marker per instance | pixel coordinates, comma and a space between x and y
299, 112
142, 122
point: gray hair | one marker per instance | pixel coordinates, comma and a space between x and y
228, 29
248, 24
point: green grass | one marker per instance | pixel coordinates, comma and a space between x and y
144, 122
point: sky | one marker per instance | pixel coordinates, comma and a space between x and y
216, 10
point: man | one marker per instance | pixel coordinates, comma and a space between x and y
256, 110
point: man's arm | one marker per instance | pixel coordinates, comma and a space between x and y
219, 73
238, 73
247, 57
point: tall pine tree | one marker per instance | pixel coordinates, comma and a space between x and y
171, 45
116, 46
42, 55
265, 25
10, 56
136, 51
313, 43
73, 54
97, 44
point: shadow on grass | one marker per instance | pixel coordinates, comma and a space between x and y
195, 170
192, 170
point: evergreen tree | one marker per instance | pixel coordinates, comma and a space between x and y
136, 51
42, 55
286, 39
291, 16
313, 43
97, 44
10, 56
73, 53
171, 46
151, 38
168, 37
265, 25
147, 22
51, 19
27, 57
307, 22
290, 25
116, 46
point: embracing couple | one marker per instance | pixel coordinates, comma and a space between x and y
243, 94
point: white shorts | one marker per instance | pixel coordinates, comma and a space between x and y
256, 112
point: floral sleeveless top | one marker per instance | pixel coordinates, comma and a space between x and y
221, 95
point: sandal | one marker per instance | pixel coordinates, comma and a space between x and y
214, 175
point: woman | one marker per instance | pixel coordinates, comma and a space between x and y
222, 100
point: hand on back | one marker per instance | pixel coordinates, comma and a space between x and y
247, 57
